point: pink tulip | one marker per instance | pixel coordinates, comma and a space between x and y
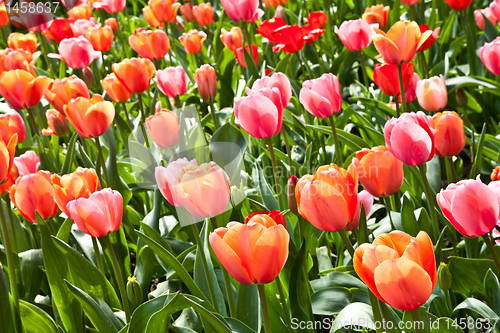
79, 27
163, 127
355, 34
365, 199
27, 163
111, 6
243, 10
471, 206
495, 9
76, 52
168, 177
11, 122
488, 13
322, 97
172, 81
432, 94
100, 214
411, 94
410, 138
409, 2
278, 80
490, 55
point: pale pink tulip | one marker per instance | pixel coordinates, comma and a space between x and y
76, 52
172, 81
432, 94
27, 163
355, 34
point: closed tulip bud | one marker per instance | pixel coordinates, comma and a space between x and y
98, 215
193, 41
150, 44
12, 123
237, 196
410, 138
4, 15
444, 277
329, 198
101, 38
290, 194
8, 151
386, 77
495, 174
150, 17
461, 97
135, 74
88, 76
432, 94
134, 292
280, 12
355, 34
322, 97
164, 128
247, 11
21, 89
490, 55
379, 171
204, 14
76, 52
110, 6
377, 15
59, 29
432, 38
114, 89
164, 10
399, 269
61, 91
172, 81
26, 42
111, 22
27, 163
187, 12
240, 55
33, 193
365, 200
58, 125
206, 81
450, 136
458, 5
90, 118
240, 246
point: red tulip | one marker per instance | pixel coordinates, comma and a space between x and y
267, 28
458, 5
240, 55
386, 77
59, 29
316, 20
411, 93
263, 218
322, 97
289, 38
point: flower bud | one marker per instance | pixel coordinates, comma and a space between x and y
292, 201
495, 174
88, 76
58, 125
237, 195
134, 292
461, 97
444, 277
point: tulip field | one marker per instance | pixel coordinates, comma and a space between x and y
249, 166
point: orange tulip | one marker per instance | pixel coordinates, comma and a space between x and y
60, 92
58, 125
377, 15
164, 128
401, 42
115, 90
26, 42
164, 10
135, 74
4, 16
16, 59
12, 123
150, 44
187, 12
79, 184
206, 81
21, 89
80, 12
33, 193
204, 14
150, 17
254, 252
7, 153
111, 22
399, 269
450, 136
379, 171
193, 40
101, 38
90, 118
274, 3
232, 39
329, 198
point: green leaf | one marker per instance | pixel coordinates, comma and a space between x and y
6, 318
490, 30
445, 325
248, 306
64, 232
492, 289
238, 326
35, 320
476, 167
408, 219
337, 279
480, 308
267, 195
300, 300
468, 275
114, 177
70, 153
360, 313
330, 301
216, 322
31, 261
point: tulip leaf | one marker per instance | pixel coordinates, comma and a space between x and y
353, 141
35, 320
238, 326
265, 191
476, 167
248, 306
445, 325
490, 30
214, 320
31, 261
360, 313
70, 153
468, 275
330, 301
408, 219
6, 318
492, 288
482, 309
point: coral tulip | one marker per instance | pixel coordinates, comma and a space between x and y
204, 14
164, 128
21, 89
232, 39
58, 125
4, 15
386, 77
490, 55
470, 206
16, 59
164, 10
432, 38
100, 38
79, 184
252, 253
206, 81
322, 97
172, 81
458, 5
111, 22
240, 55
267, 28
135, 74
365, 199
99, 214
277, 80
80, 12
432, 94
450, 136
90, 118
193, 41
410, 138
401, 42
111, 6
377, 15
8, 151
355, 34
33, 193
61, 92
274, 3
399, 269
79, 27
379, 171
242, 10
488, 13
187, 12
26, 42
76, 52
266, 217
150, 44
114, 89
150, 17
12, 123
59, 29
27, 163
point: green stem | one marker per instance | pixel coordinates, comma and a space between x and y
397, 201
402, 90
377, 316
265, 311
103, 162
416, 321
338, 149
11, 224
363, 67
214, 117
172, 46
424, 61
388, 209
126, 115
449, 160
347, 242
98, 257
430, 200
491, 248
244, 26
288, 152
142, 120
396, 101
45, 49
119, 277
277, 183
471, 48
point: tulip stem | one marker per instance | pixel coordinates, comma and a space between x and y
338, 149
402, 90
451, 166
45, 48
214, 117
288, 152
173, 43
119, 277
377, 316
142, 120
265, 311
491, 248
363, 67
396, 101
430, 200
126, 115
387, 203
98, 257
244, 26
471, 48
424, 61
347, 242
103, 162
277, 183
417, 322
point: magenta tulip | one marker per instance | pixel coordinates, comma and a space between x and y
355, 34
172, 81
76, 52
322, 97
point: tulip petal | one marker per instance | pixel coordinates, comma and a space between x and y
365, 262
269, 254
396, 240
387, 49
410, 143
88, 217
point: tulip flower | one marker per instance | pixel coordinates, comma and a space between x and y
12, 123
76, 52
193, 41
232, 39
150, 44
172, 81
8, 151
432, 38
267, 28
90, 118
495, 8
21, 89
316, 20
168, 177
240, 55
4, 15
290, 193
27, 163
58, 125
458, 5
111, 22
410, 94
26, 42
59, 29
267, 218
79, 184
114, 89
135, 74
399, 269
204, 14
206, 81
16, 59
289, 38
450, 136
432, 94
386, 77
490, 55
98, 215
410, 138
81, 12
110, 6
150, 17
277, 80
379, 171
187, 12
79, 27
488, 13
410, 2
355, 34
61, 92
322, 97
100, 38
242, 10
495, 174
329, 198
164, 10
377, 15
365, 199
33, 193
274, 3
164, 128
401, 42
